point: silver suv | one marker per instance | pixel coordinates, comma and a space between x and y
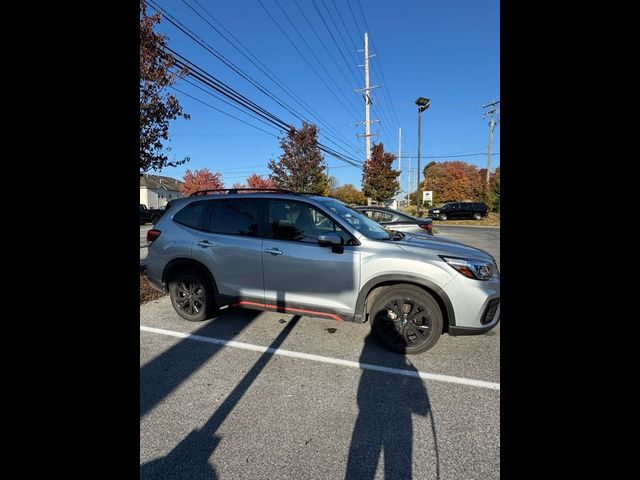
315, 256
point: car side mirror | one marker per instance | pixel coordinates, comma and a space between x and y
330, 239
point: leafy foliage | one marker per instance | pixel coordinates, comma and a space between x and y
349, 194
379, 180
156, 107
258, 181
301, 167
202, 179
457, 182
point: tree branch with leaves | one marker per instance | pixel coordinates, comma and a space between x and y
157, 72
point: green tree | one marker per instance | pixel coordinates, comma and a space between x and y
301, 166
379, 180
349, 194
156, 107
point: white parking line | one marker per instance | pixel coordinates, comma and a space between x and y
319, 358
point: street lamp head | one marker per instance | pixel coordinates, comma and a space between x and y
423, 103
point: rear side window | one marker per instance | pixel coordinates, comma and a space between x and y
235, 216
381, 216
191, 215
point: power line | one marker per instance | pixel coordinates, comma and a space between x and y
274, 78
334, 40
230, 64
305, 58
323, 44
222, 111
450, 156
381, 69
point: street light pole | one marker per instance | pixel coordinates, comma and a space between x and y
419, 202
423, 104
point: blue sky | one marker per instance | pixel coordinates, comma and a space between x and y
446, 51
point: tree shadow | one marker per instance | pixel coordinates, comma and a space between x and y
166, 372
384, 425
190, 458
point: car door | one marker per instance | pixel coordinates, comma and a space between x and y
454, 210
231, 247
300, 275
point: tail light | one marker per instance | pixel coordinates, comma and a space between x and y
153, 234
426, 226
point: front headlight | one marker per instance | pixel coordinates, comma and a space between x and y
435, 211
474, 269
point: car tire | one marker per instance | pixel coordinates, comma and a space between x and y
191, 295
406, 319
442, 217
477, 216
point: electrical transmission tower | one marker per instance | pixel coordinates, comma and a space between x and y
492, 123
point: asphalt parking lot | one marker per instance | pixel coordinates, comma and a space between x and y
257, 395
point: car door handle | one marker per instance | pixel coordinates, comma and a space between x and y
204, 244
274, 251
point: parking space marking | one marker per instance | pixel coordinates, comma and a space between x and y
319, 358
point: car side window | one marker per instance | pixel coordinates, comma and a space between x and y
300, 222
235, 216
381, 216
191, 215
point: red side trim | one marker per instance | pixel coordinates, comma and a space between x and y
288, 309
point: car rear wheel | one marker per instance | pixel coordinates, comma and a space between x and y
477, 216
191, 296
406, 319
443, 216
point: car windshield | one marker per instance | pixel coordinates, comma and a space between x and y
362, 223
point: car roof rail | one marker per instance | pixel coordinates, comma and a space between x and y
231, 191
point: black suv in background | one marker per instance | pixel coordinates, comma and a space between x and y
452, 210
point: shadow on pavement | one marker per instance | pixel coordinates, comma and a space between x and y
384, 425
166, 372
190, 458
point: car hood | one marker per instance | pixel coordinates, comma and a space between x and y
442, 246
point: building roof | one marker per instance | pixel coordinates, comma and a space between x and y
157, 181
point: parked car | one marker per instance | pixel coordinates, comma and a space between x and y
394, 220
453, 210
313, 255
149, 215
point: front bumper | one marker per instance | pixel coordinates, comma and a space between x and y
475, 303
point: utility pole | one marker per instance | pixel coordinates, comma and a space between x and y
492, 110
367, 98
409, 183
400, 154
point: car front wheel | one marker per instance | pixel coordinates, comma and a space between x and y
477, 216
191, 296
443, 216
406, 319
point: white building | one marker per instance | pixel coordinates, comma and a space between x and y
156, 191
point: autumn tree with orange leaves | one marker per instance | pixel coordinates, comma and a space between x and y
156, 107
202, 179
457, 182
